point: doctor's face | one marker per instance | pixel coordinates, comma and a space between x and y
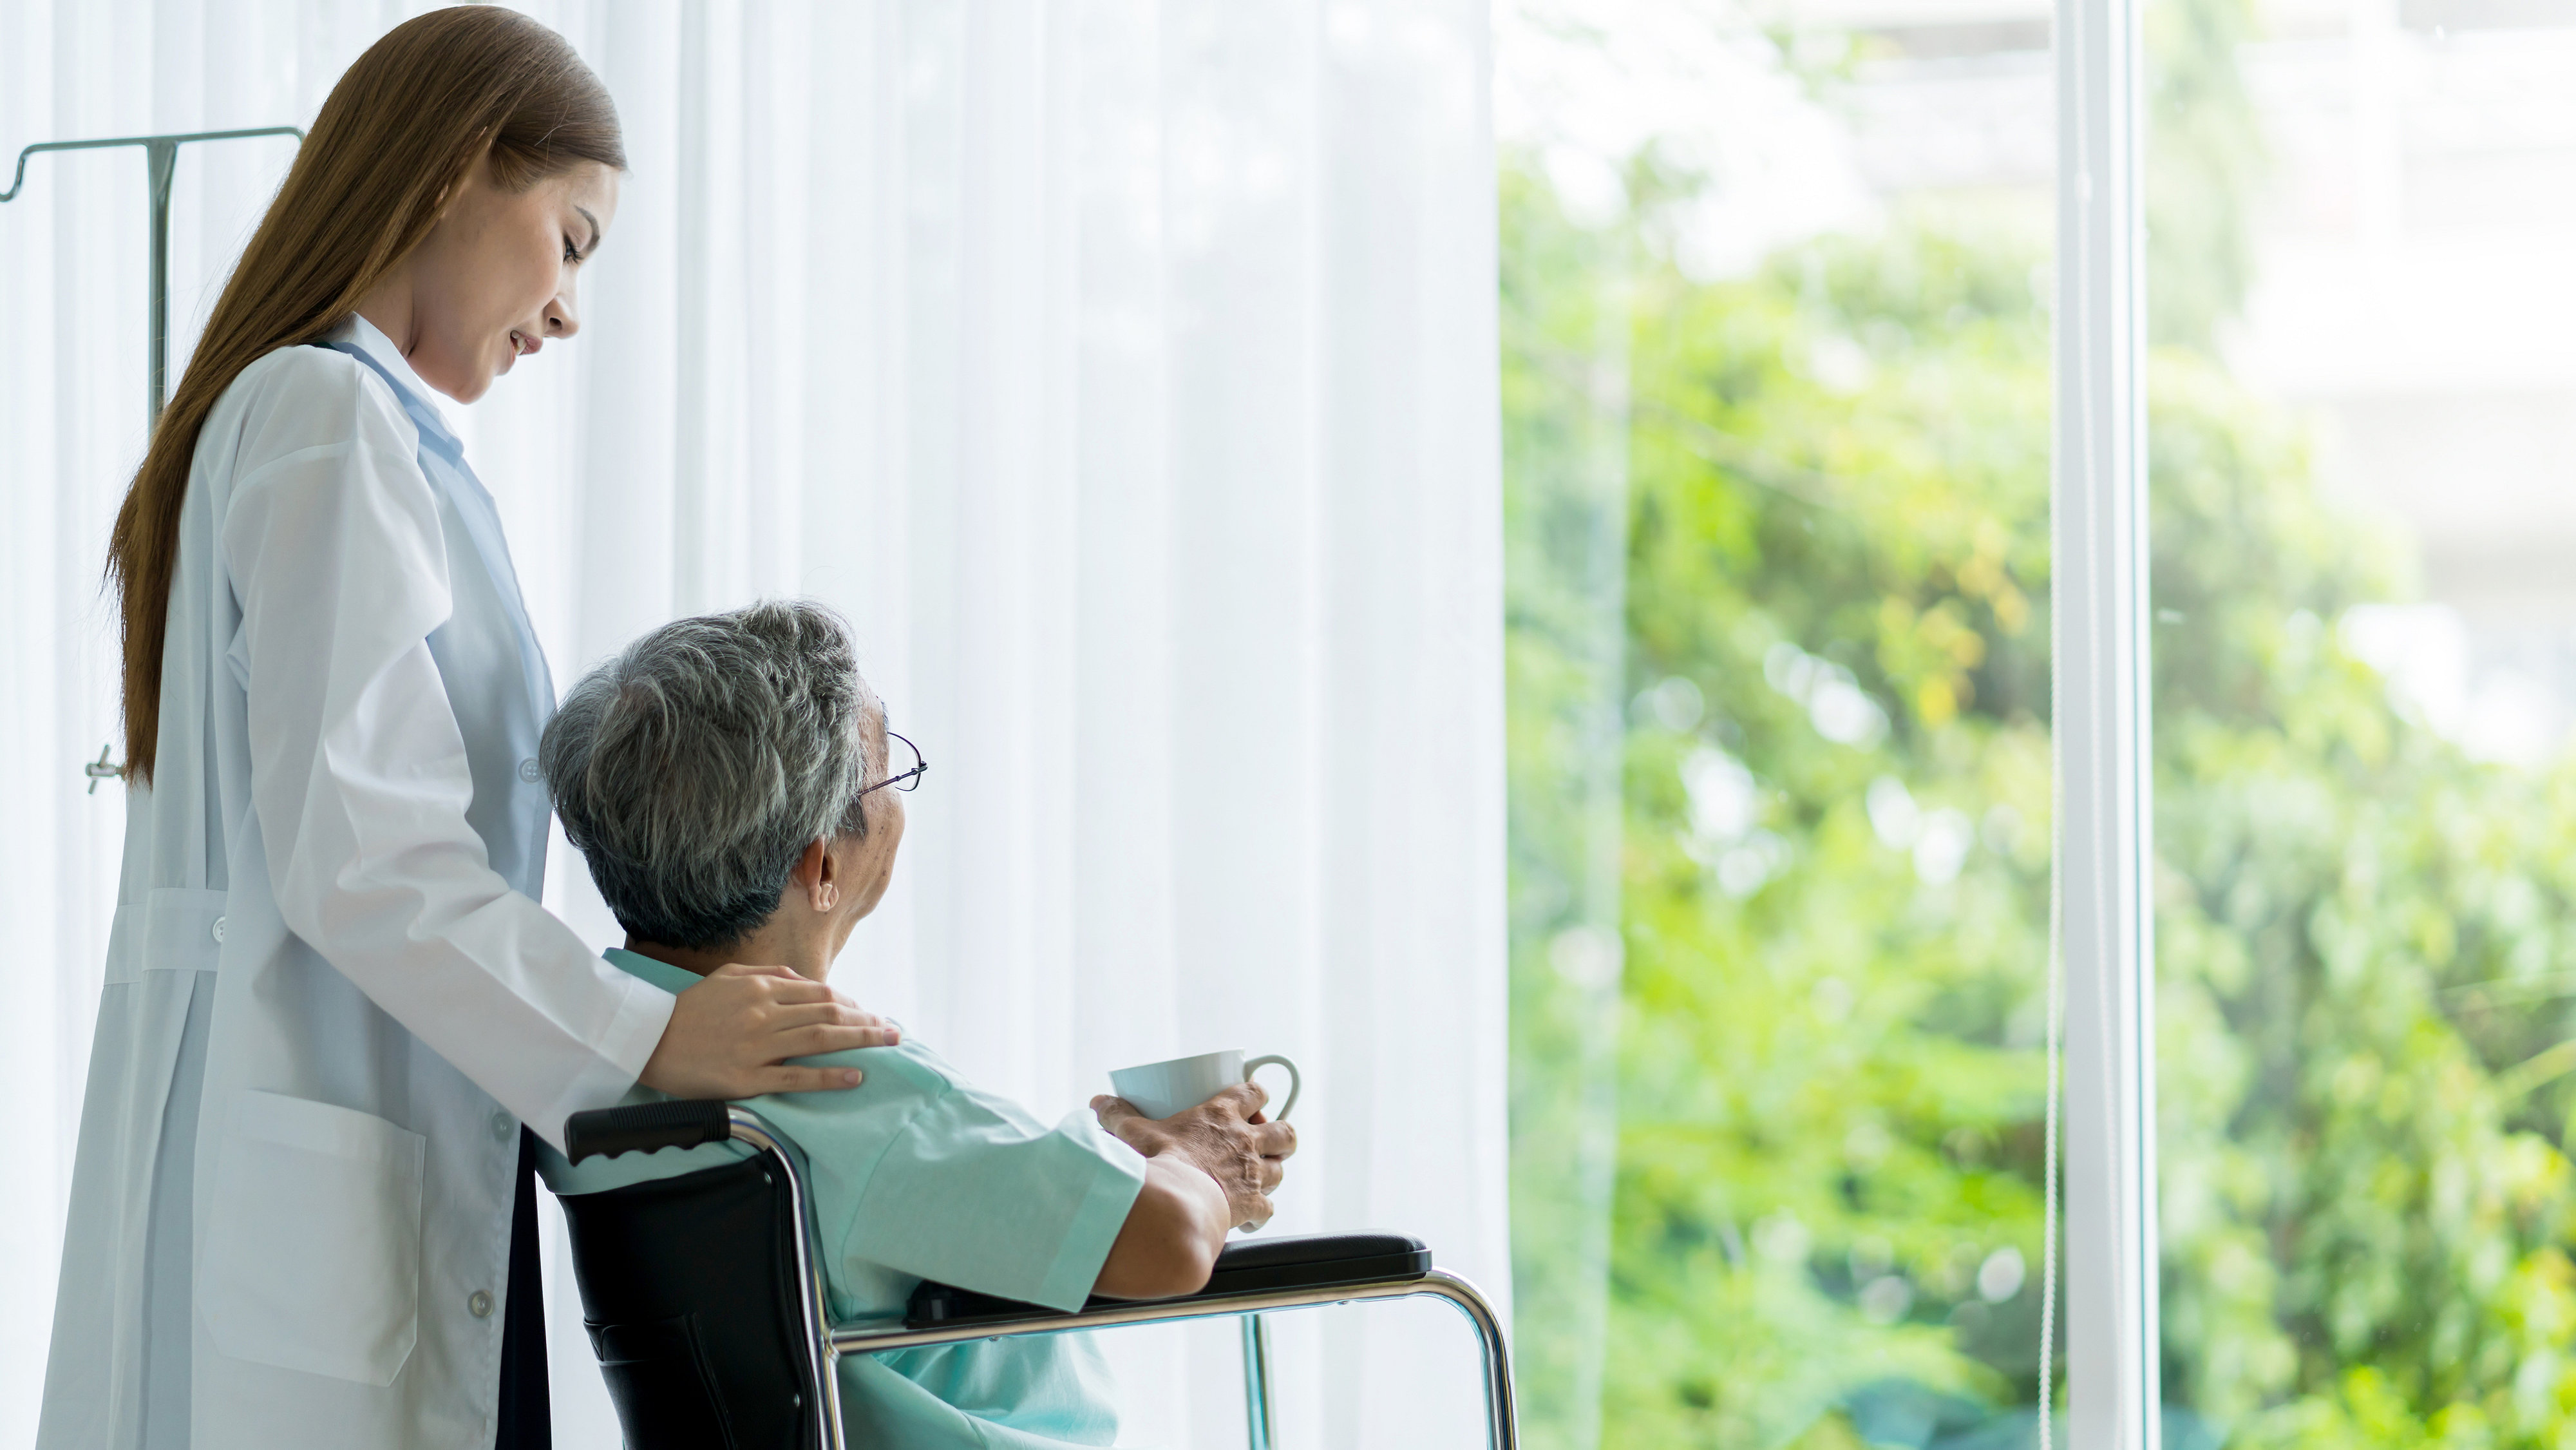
495, 279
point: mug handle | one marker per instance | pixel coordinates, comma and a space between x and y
1294, 1082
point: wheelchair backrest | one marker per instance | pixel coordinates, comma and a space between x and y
688, 1289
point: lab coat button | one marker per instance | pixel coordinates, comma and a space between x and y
217, 931
501, 1126
479, 1304
528, 771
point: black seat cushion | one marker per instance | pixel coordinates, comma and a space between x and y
688, 1288
1310, 1261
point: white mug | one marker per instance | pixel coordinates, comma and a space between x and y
1160, 1089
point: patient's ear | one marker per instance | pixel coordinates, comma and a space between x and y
818, 876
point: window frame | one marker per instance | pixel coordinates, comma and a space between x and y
2104, 928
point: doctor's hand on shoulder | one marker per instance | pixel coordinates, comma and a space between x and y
730, 1032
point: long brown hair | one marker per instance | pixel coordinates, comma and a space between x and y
399, 133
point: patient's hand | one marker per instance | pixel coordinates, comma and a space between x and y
1226, 1137
1206, 1170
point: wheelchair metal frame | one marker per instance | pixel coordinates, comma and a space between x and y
827, 1342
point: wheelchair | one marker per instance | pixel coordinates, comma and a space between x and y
704, 1294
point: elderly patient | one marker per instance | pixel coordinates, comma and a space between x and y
724, 779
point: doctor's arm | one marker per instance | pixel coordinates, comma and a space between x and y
1206, 1170
360, 784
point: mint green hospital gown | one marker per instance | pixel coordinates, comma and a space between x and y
917, 1175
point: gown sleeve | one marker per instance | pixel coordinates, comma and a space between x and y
358, 768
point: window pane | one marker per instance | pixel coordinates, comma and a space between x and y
2364, 500
1776, 391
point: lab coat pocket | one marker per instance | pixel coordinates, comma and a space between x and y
312, 1250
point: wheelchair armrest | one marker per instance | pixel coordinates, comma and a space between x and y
645, 1127
1312, 1261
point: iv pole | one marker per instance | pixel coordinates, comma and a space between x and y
161, 154
161, 157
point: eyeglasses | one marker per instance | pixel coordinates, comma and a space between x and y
901, 779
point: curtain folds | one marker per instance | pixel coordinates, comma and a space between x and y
1125, 371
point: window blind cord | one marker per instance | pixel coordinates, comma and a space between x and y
2048, 1172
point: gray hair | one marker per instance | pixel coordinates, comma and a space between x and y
695, 768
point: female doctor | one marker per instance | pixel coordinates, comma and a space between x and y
301, 1207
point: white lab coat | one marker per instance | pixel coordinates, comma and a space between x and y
331, 994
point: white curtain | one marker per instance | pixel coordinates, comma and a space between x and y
1124, 370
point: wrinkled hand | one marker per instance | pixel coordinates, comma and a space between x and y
1225, 1137
731, 1034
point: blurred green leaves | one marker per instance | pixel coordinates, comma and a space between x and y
1831, 1086
1779, 555
1833, 866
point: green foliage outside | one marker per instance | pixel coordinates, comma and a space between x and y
1832, 867
1835, 851
2362, 1025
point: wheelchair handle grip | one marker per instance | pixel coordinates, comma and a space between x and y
645, 1127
